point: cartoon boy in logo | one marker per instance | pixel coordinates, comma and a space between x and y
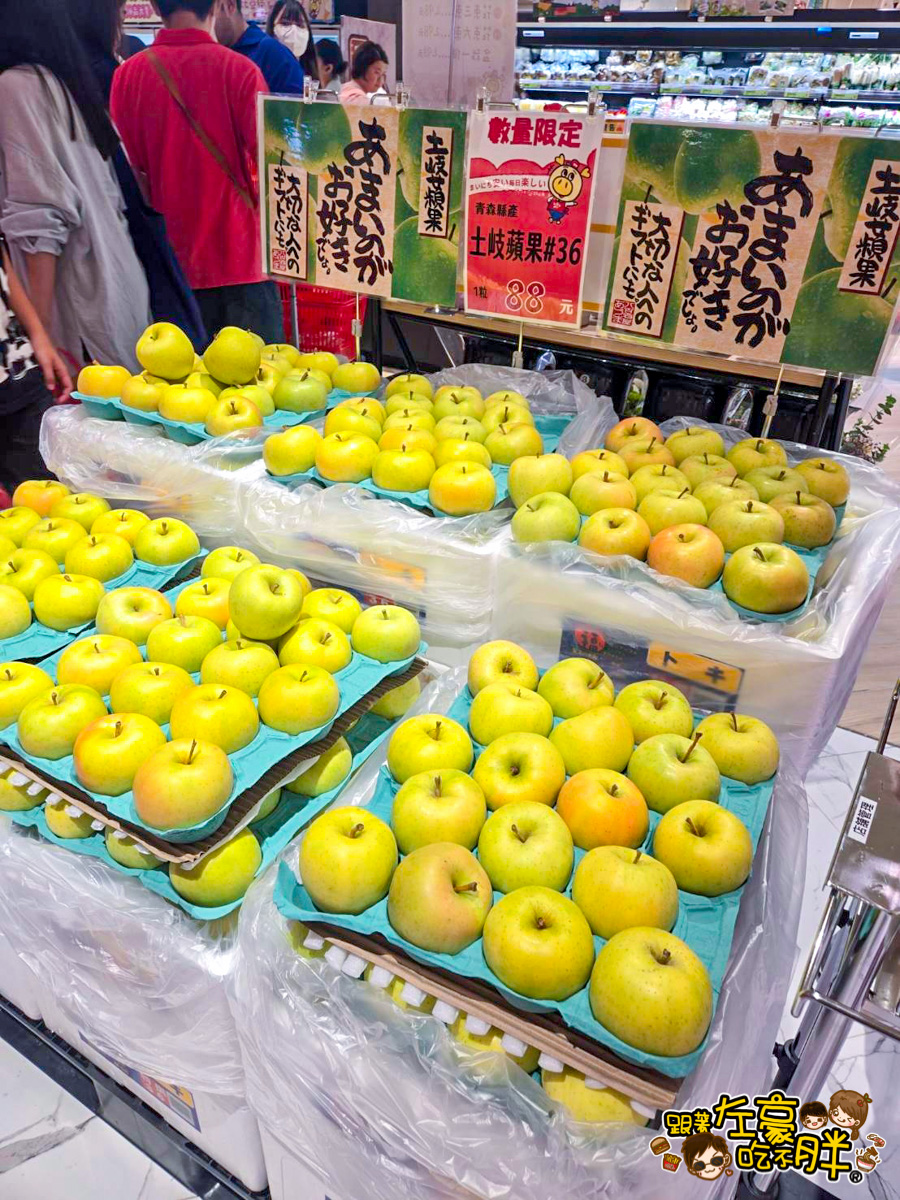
566, 183
705, 1155
849, 1110
813, 1115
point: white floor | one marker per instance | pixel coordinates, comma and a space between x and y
51, 1145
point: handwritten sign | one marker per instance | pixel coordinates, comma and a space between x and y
875, 233
287, 199
528, 203
651, 235
434, 188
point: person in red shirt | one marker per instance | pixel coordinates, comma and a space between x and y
186, 112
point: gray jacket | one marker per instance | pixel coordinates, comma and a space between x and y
59, 196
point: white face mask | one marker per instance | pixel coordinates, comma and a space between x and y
295, 37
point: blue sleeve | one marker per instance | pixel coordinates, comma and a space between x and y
282, 71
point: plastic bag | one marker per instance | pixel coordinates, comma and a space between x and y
314, 1039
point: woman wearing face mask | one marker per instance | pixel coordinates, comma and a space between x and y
289, 23
369, 75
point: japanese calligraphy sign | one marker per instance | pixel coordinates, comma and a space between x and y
363, 198
529, 196
777, 245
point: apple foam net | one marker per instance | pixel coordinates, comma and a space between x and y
402, 1111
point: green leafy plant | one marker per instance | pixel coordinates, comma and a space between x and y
861, 439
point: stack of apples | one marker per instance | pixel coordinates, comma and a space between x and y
682, 505
415, 440
58, 549
567, 771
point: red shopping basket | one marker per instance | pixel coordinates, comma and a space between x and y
324, 318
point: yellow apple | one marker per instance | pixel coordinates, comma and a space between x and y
292, 450
102, 556
346, 457
104, 381
66, 601
461, 488
39, 494
164, 350
184, 783
347, 859
221, 877
108, 752
19, 683
212, 712
96, 661
124, 522
205, 598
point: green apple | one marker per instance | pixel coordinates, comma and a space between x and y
149, 688
164, 350
292, 450
326, 773
546, 517
409, 382
603, 808
808, 520
233, 356
66, 820
128, 853
221, 877
499, 709
752, 453
652, 991
773, 481
575, 685
652, 707
49, 724
184, 783
456, 429
183, 641
403, 469
131, 612
404, 401
197, 379
257, 395
267, 806
15, 612
297, 698
512, 441
689, 552
439, 898
357, 377
742, 522
315, 642
66, 601
701, 468
16, 522
428, 742
190, 404
539, 944
524, 844
456, 405
593, 1105
108, 752
532, 475
506, 414
669, 769
595, 490
827, 479
520, 766
706, 847
463, 449
239, 664
19, 683
766, 578
398, 700
617, 888
165, 542
227, 562
600, 737
124, 522
597, 462
211, 712
498, 662
506, 397
143, 392
347, 859
103, 556
658, 475
231, 414
300, 392
616, 531
386, 633
345, 419
96, 661
18, 793
81, 507
334, 605
744, 748
438, 806
720, 491
55, 536
420, 418
694, 441
265, 601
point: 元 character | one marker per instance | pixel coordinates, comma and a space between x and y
813, 1115
849, 1110
706, 1155
566, 182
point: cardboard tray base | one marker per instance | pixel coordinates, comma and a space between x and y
242, 808
546, 1031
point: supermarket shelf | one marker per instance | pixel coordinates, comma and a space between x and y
119, 1108
825, 31
822, 95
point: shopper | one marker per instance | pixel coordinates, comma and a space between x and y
331, 65
186, 110
30, 370
61, 209
99, 25
369, 75
281, 70
289, 24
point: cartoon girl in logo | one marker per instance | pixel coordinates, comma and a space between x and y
706, 1155
849, 1110
566, 183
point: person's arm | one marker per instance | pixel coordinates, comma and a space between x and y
56, 376
41, 283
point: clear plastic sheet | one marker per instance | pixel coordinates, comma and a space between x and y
314, 1039
138, 977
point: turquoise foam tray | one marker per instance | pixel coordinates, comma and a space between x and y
37, 641
551, 428
249, 764
274, 832
705, 924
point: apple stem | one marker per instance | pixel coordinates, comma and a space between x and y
658, 703
515, 830
690, 749
759, 554
637, 857
54, 696
749, 506
734, 721
192, 752
541, 923
664, 957
759, 446
9, 673
326, 639
467, 887
437, 731
96, 648
596, 681
223, 693
798, 497
118, 728
683, 493
385, 614
613, 789
437, 785
182, 618
357, 829
692, 827
606, 476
